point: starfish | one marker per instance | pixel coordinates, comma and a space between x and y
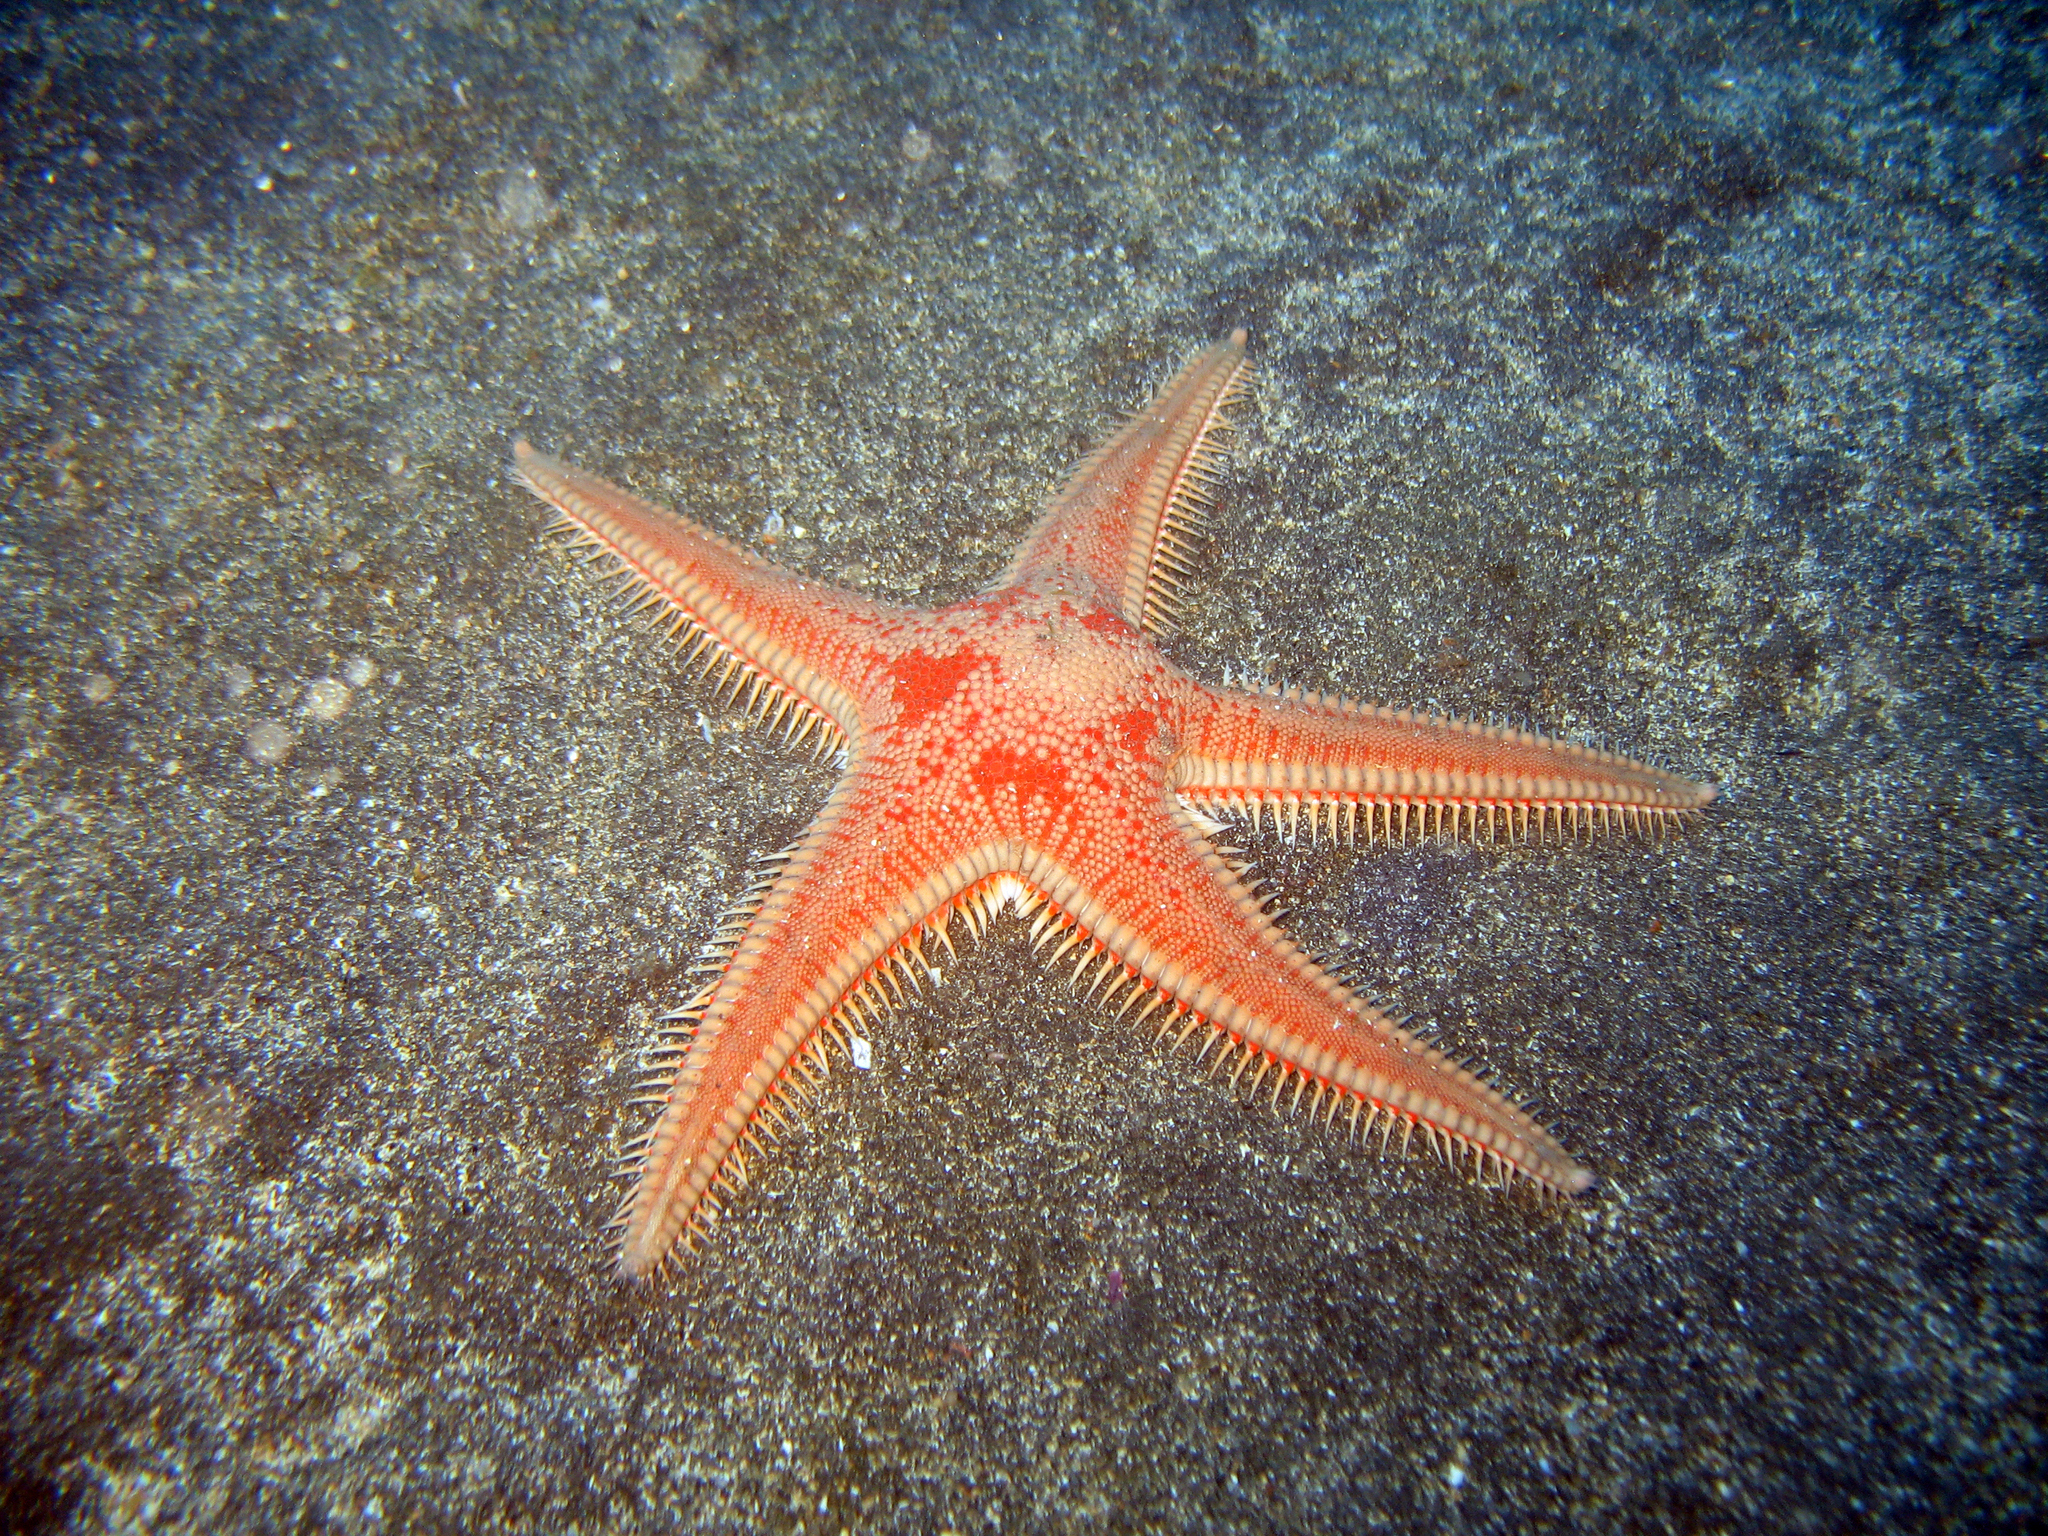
1032, 747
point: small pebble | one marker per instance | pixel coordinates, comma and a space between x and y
348, 560
98, 688
686, 60
359, 671
916, 146
343, 324
999, 167
521, 202
236, 680
327, 699
269, 743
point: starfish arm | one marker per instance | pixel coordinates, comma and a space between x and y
1169, 915
840, 925
797, 640
1123, 525
1336, 758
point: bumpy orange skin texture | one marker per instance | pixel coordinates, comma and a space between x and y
1033, 745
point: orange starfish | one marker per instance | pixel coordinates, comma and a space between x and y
1032, 746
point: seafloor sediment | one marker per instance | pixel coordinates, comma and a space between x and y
1669, 372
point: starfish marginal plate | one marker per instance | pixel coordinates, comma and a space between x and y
1032, 746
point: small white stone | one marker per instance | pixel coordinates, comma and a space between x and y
269, 743
917, 145
522, 203
98, 688
686, 59
327, 699
236, 680
863, 1053
359, 671
999, 167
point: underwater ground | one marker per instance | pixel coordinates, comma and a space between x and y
1665, 372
